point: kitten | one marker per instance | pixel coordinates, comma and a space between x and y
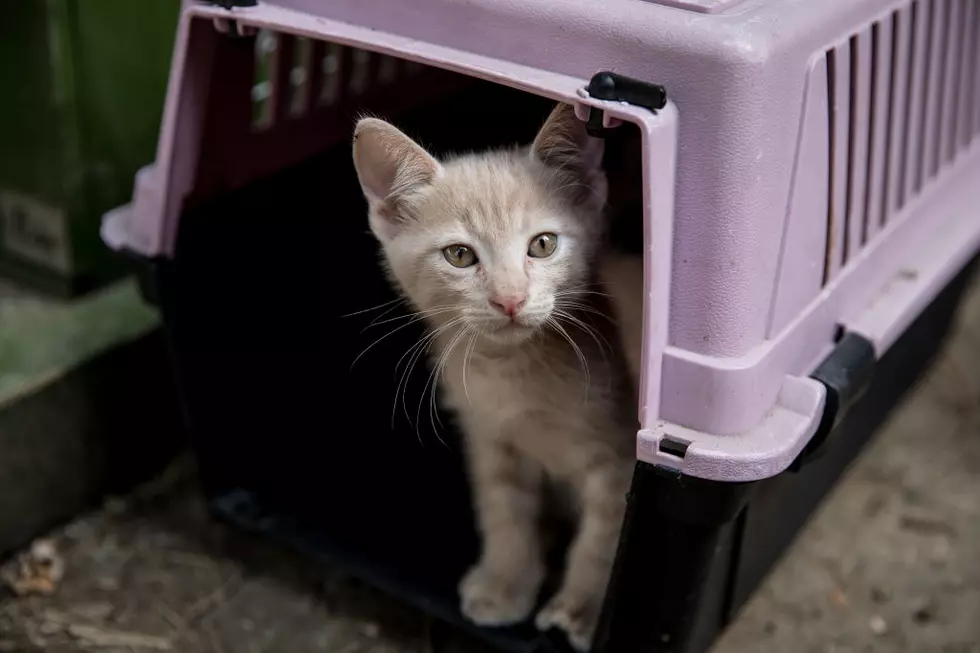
499, 252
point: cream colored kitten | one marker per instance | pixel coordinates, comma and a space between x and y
499, 252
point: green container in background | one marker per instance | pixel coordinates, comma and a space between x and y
82, 86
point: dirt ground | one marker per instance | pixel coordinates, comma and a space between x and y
890, 564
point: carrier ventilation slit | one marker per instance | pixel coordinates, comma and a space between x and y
891, 132
953, 89
831, 61
264, 80
303, 94
964, 82
921, 94
903, 102
360, 75
852, 115
875, 102
971, 117
936, 102
294, 76
331, 66
908, 97
300, 77
387, 70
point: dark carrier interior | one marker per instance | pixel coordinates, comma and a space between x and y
274, 292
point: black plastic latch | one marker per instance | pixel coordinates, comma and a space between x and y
234, 30
613, 87
231, 4
146, 270
846, 373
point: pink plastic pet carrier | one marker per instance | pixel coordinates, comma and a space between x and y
809, 217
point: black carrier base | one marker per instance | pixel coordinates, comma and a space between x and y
298, 441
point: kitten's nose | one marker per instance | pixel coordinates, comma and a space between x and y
509, 305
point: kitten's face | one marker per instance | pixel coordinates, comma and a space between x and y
494, 242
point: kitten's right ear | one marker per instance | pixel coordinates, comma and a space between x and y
389, 164
565, 144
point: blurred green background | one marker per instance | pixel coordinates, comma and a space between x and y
84, 83
85, 405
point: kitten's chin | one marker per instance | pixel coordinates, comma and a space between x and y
510, 334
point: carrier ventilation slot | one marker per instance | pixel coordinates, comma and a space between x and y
282, 98
318, 75
903, 106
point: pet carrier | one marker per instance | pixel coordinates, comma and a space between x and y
808, 223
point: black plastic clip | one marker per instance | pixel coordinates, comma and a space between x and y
231, 4
146, 270
613, 87
234, 30
846, 373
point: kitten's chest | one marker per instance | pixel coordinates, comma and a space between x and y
505, 389
561, 408
541, 387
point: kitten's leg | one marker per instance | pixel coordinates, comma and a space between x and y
575, 607
502, 588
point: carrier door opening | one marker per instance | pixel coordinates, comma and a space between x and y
306, 371
298, 93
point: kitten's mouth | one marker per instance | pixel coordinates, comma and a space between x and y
511, 331
518, 326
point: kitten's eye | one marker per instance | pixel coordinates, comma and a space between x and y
459, 256
542, 245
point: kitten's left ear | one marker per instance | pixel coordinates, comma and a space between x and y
389, 164
564, 143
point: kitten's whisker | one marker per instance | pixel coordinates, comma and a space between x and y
369, 347
578, 353
413, 353
588, 284
596, 335
590, 330
425, 388
417, 314
579, 302
378, 317
411, 350
434, 419
578, 291
397, 300
466, 355
433, 382
412, 319
583, 308
422, 347
442, 368
418, 413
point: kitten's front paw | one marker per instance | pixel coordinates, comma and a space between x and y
490, 597
576, 616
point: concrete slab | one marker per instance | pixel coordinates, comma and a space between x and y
87, 405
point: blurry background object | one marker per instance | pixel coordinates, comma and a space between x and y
83, 86
85, 402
